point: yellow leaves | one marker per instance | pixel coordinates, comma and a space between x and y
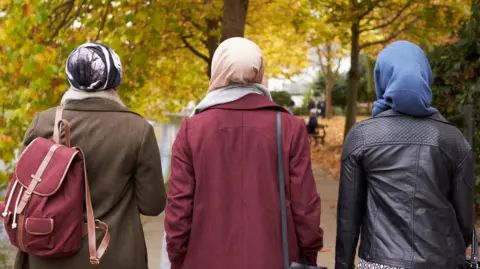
273, 27
44, 57
3, 33
5, 139
160, 74
27, 10
40, 58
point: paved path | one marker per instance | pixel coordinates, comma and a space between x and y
326, 186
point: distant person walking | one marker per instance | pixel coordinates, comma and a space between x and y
321, 108
406, 184
312, 124
311, 105
223, 202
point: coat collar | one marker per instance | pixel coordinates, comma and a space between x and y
250, 102
97, 104
392, 113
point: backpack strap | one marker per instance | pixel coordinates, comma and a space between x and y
57, 126
58, 118
92, 224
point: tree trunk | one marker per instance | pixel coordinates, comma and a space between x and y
370, 65
328, 97
233, 24
353, 78
234, 17
212, 42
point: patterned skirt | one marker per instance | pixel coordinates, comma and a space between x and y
370, 265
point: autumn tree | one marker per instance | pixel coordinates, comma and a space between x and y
329, 43
202, 25
278, 27
158, 75
275, 25
234, 18
376, 23
154, 40
329, 56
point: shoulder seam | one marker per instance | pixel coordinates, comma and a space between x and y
356, 147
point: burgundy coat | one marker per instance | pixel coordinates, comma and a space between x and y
223, 208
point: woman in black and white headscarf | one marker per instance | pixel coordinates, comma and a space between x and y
122, 161
93, 70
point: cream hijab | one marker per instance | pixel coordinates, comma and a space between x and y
237, 71
236, 61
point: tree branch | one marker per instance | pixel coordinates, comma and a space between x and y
394, 35
62, 5
195, 51
369, 9
337, 69
67, 8
323, 67
104, 19
196, 25
64, 21
399, 13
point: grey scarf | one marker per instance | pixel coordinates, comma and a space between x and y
230, 94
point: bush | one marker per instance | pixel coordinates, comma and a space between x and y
456, 69
301, 111
338, 111
281, 98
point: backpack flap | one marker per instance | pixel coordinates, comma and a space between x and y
41, 169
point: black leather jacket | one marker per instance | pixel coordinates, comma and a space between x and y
406, 183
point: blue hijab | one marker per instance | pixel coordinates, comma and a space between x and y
402, 80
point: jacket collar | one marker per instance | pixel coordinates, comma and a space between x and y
97, 104
250, 102
392, 113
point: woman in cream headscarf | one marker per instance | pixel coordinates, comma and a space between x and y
223, 209
237, 61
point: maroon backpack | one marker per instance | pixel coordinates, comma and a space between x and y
44, 205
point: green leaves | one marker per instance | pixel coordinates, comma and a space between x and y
281, 98
41, 15
456, 70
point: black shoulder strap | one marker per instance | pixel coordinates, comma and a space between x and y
281, 188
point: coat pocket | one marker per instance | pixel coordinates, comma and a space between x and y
39, 234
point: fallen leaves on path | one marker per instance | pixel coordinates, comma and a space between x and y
328, 156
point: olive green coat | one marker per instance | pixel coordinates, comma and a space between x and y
125, 175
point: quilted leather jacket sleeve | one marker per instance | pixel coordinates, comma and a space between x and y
351, 200
462, 197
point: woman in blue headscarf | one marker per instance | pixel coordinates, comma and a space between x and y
406, 175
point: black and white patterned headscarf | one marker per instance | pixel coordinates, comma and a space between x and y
94, 67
